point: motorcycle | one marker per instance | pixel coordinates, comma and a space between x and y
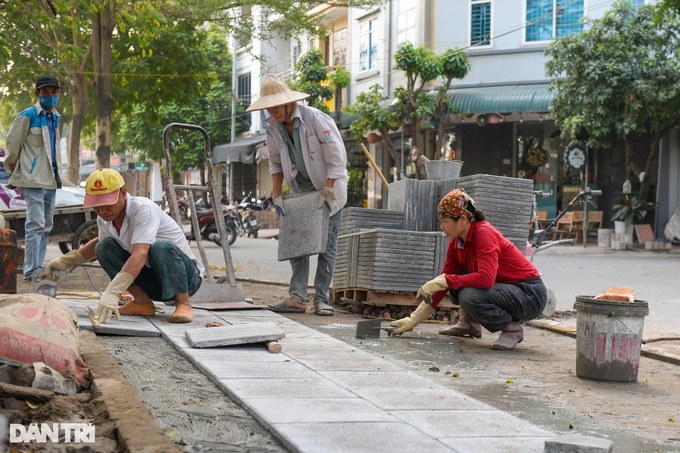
250, 222
208, 227
183, 207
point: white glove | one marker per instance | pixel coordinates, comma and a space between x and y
108, 302
407, 324
328, 197
433, 286
278, 205
64, 263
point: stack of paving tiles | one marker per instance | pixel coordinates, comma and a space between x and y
381, 250
506, 203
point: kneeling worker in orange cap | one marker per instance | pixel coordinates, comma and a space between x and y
141, 248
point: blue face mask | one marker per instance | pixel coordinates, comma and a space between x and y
49, 102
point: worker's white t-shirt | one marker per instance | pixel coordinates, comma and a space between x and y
145, 223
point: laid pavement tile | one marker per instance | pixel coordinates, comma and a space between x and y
292, 388
316, 410
357, 437
496, 444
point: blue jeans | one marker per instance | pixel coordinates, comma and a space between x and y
172, 271
324, 267
39, 220
498, 306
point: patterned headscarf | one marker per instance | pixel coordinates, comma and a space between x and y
455, 204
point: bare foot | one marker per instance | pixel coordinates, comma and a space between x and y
182, 313
137, 309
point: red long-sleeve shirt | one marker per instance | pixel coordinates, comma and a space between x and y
486, 257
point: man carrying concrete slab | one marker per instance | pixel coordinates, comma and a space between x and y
305, 148
141, 248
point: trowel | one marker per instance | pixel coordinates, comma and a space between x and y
371, 328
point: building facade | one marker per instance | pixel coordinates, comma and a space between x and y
501, 125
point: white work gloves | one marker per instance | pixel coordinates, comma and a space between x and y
108, 302
278, 205
327, 197
433, 286
407, 324
63, 263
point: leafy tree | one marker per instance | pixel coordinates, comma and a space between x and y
373, 116
142, 126
314, 78
423, 66
619, 78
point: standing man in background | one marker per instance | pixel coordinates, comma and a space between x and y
34, 161
305, 149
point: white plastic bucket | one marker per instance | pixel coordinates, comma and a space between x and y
608, 338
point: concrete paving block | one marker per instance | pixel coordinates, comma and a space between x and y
238, 353
470, 423
576, 443
131, 326
210, 337
497, 444
293, 388
316, 410
357, 438
348, 362
304, 228
258, 370
421, 393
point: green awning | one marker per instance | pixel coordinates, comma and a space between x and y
501, 99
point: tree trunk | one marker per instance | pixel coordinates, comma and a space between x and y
650, 171
81, 104
103, 23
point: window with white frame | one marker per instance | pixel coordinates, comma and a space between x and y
406, 22
549, 19
368, 45
480, 23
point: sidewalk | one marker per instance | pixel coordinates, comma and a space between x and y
321, 394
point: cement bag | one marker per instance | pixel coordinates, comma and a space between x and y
37, 328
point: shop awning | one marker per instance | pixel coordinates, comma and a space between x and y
243, 150
501, 99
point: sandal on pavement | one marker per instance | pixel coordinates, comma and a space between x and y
282, 307
323, 309
135, 309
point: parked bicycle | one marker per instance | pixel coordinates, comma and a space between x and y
539, 241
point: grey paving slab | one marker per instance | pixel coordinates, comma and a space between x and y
470, 423
232, 334
304, 228
358, 437
387, 390
259, 370
316, 410
496, 444
347, 361
292, 388
239, 353
136, 326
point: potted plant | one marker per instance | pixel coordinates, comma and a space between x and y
630, 210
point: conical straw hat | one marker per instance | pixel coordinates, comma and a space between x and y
275, 92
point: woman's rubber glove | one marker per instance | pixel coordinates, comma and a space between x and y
327, 197
64, 263
108, 302
407, 324
433, 286
278, 205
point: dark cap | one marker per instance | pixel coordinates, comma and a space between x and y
46, 81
